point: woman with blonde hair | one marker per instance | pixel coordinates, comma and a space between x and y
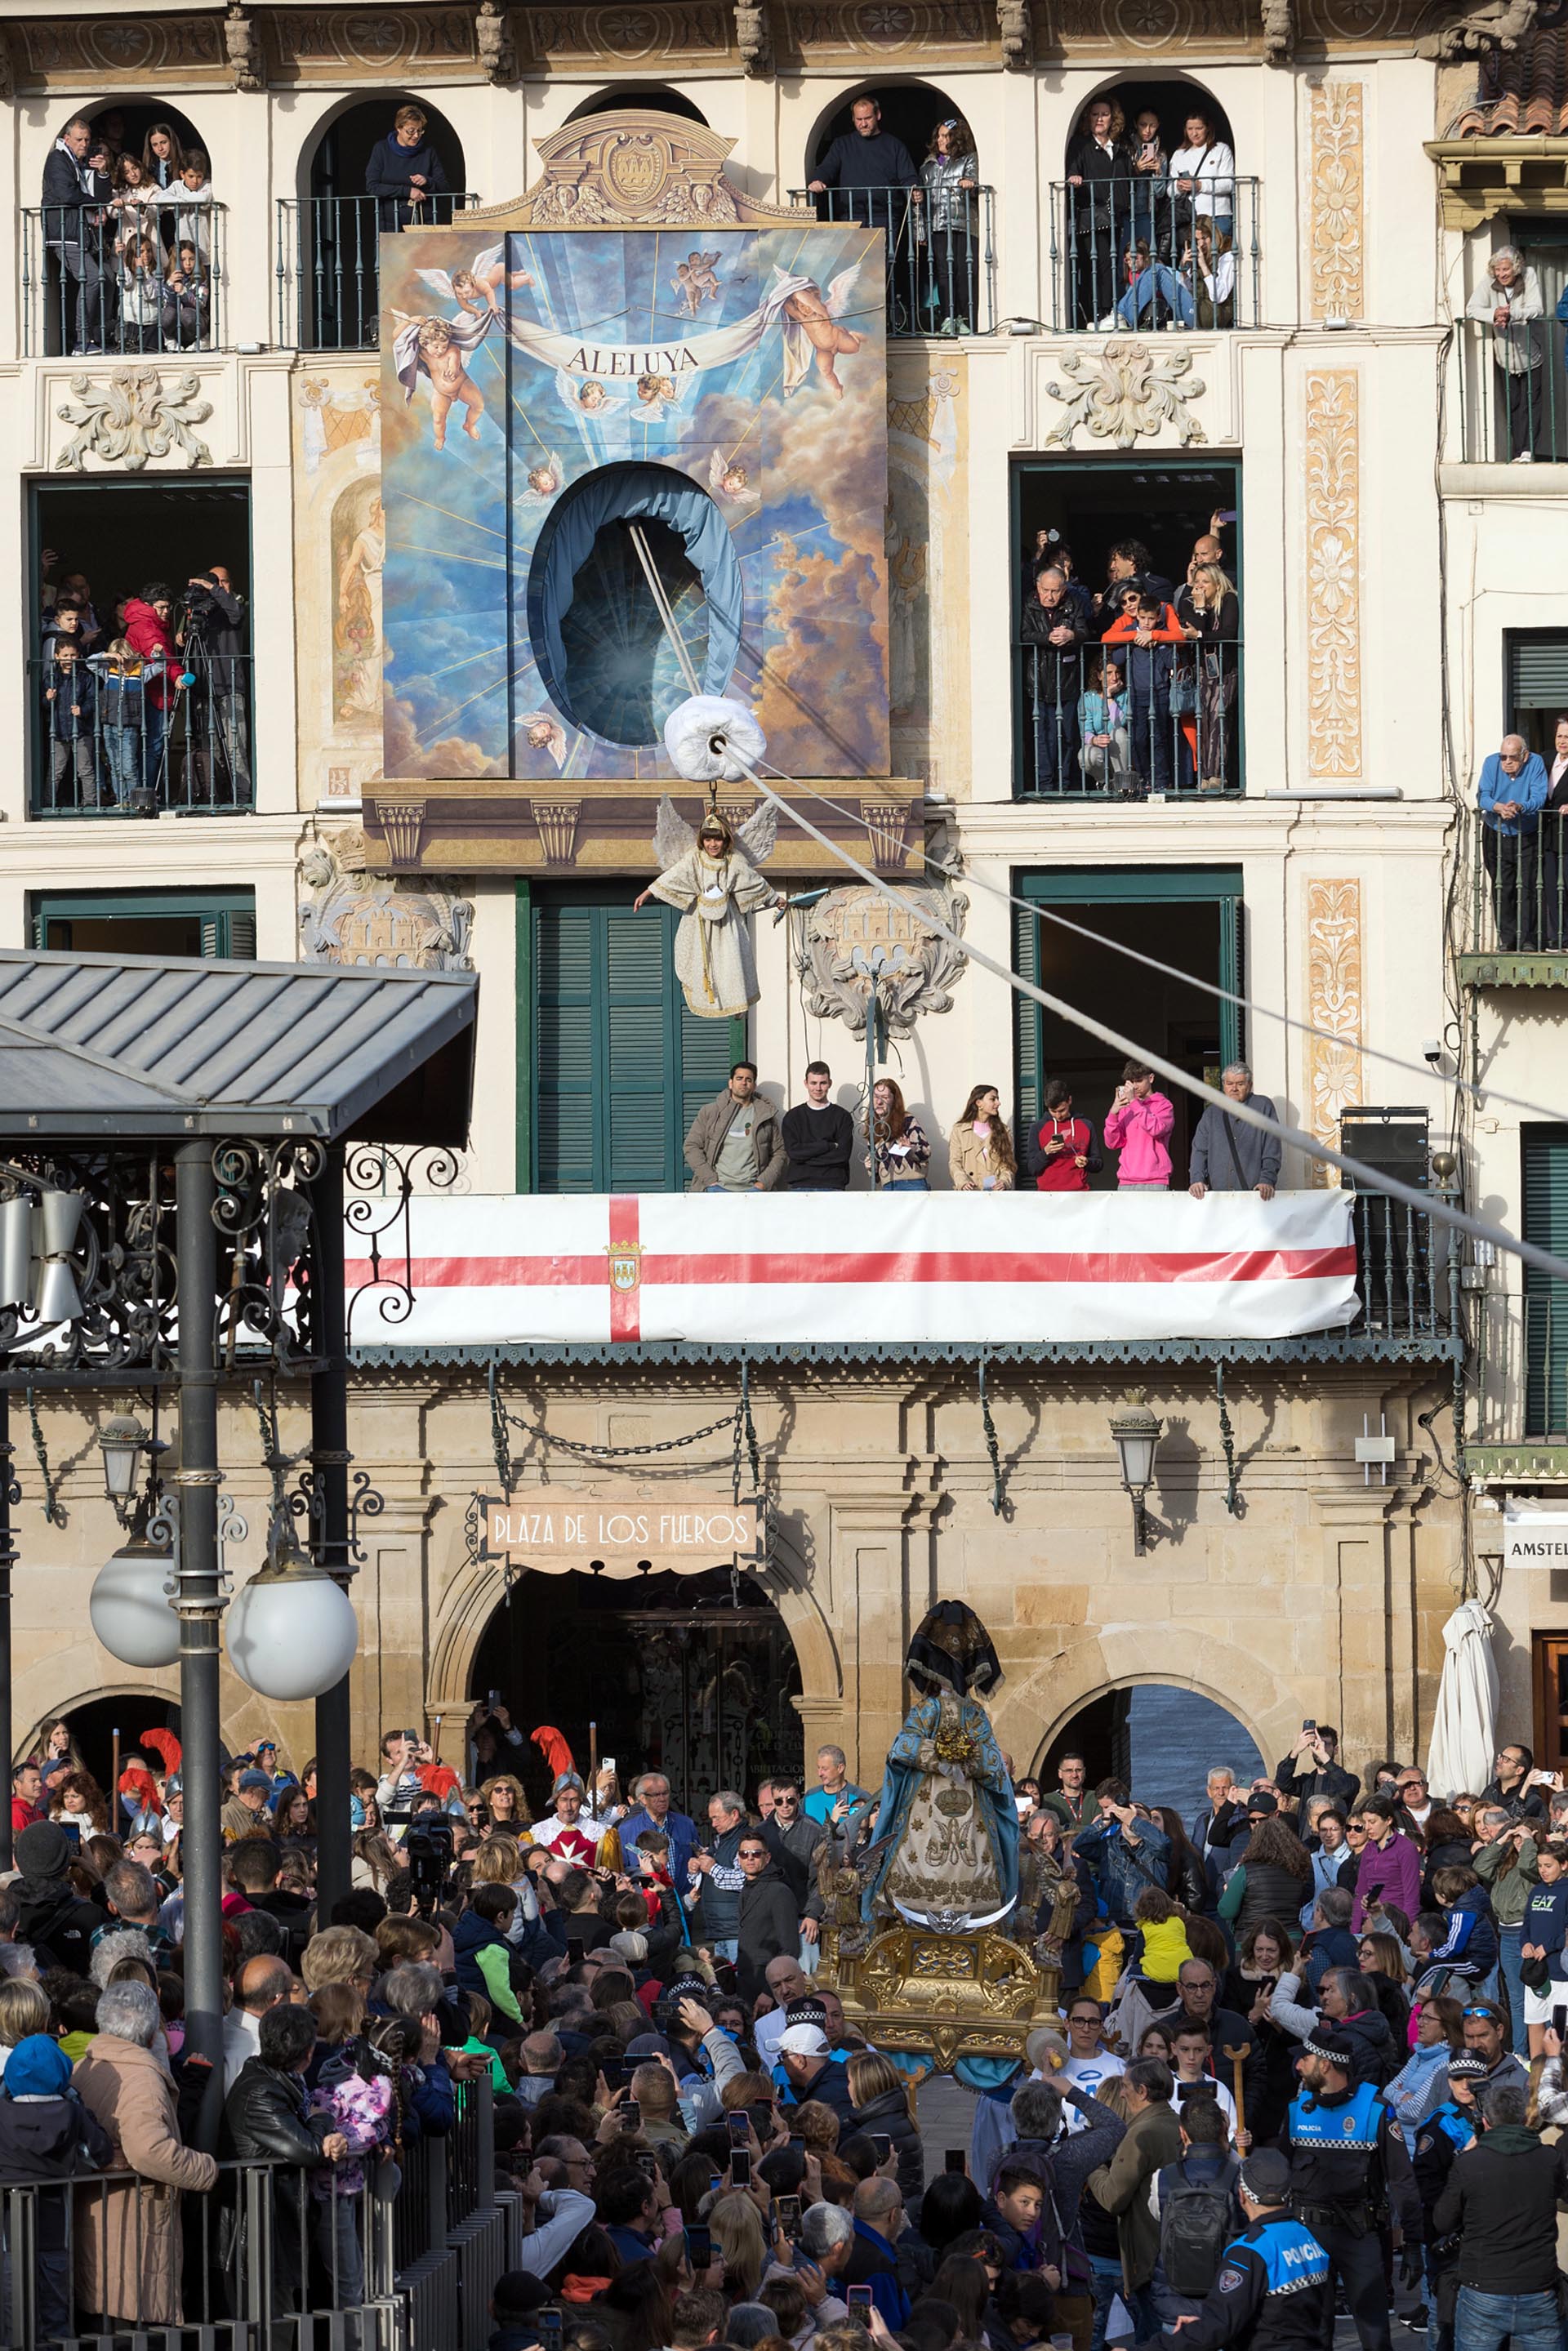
24, 2009
737, 2228
881, 2097
509, 1807
979, 1148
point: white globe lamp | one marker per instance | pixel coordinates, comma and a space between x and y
291, 1632
129, 1608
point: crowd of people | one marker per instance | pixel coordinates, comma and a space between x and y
738, 1142
1151, 221
936, 268
1313, 2032
130, 231
1133, 689
144, 702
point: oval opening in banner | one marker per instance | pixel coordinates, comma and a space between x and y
595, 628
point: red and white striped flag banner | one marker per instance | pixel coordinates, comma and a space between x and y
836, 1268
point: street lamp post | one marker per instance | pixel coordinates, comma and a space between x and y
1137, 1431
200, 1605
10, 1494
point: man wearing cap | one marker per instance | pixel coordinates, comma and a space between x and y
1441, 2138
568, 1830
246, 1810
51, 1915
1272, 2293
1348, 2166
810, 2071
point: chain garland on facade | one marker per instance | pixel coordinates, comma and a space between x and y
53, 1513
1228, 1440
993, 1447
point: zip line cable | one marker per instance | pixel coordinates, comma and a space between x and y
1375, 1179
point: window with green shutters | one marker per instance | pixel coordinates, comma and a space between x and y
1545, 1156
620, 1066
220, 922
1537, 662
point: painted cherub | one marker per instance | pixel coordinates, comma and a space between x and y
655, 393
543, 733
439, 348
545, 479
728, 479
474, 290
697, 281
585, 395
817, 337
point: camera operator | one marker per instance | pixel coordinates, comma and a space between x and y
429, 1850
209, 637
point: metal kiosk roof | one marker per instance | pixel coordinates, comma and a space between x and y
95, 1046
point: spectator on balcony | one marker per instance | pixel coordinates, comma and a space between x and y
122, 681
69, 202
1150, 284
211, 639
139, 282
819, 1138
149, 631
1210, 270
405, 173
733, 1145
950, 177
1150, 216
1106, 758
163, 157
1510, 299
871, 168
1138, 1127
1229, 1156
1100, 180
1554, 864
189, 202
1510, 796
1148, 629
979, 1148
1062, 1153
1052, 633
900, 1155
1210, 618
1128, 562
187, 299
1202, 180
71, 698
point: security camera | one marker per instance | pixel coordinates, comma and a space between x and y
1432, 1050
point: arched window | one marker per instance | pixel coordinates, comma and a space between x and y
647, 98
1153, 227
359, 182
900, 156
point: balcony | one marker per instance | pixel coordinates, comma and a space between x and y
1514, 413
328, 277
1175, 736
95, 282
144, 746
1521, 1358
1196, 271
1513, 906
941, 279
1314, 1276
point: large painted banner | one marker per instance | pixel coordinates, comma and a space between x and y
807, 1267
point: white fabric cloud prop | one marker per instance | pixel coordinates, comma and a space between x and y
704, 734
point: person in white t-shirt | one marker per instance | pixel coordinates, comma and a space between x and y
1089, 2061
1192, 2051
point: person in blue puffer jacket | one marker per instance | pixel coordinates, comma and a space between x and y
1544, 1933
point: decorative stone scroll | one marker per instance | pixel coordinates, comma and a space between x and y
1336, 1002
1333, 574
1124, 391
137, 415
1338, 186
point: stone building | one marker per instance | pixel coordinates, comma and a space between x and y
1303, 841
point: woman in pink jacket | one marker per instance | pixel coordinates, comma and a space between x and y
1390, 1868
1137, 1125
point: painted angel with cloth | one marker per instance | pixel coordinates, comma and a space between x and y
946, 1853
715, 884
439, 348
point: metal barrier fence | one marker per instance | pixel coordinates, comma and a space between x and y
265, 2260
1172, 726
941, 269
328, 264
125, 280
1515, 888
1513, 392
1144, 255
110, 743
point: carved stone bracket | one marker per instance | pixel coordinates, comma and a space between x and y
1496, 25
244, 49
497, 51
854, 941
350, 916
1125, 391
134, 417
754, 38
1015, 21
1278, 31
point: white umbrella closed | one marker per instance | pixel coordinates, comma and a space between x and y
1465, 1728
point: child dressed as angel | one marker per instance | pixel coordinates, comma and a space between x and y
713, 884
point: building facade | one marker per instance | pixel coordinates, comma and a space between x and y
1303, 837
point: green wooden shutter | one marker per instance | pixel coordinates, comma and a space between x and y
1545, 1154
621, 1068
1030, 1080
1538, 671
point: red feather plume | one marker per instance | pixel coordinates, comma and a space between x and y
166, 1746
554, 1749
136, 1780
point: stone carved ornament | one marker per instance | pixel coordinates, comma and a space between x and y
1015, 22
350, 917
493, 40
1496, 25
1124, 391
854, 939
135, 416
754, 38
634, 167
243, 47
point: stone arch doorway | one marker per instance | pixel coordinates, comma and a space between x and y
673, 1673
94, 1721
1161, 1737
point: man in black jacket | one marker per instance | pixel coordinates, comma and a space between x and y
1503, 2197
1317, 1750
769, 1915
52, 1917
1052, 631
819, 1137
794, 1839
1273, 2291
69, 198
264, 2121
211, 639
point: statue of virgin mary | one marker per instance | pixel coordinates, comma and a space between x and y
945, 1854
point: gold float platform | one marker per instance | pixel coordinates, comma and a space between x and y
942, 1996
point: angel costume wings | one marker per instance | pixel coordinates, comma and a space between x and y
713, 961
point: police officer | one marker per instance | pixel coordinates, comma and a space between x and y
1448, 2132
1348, 2164
1274, 2292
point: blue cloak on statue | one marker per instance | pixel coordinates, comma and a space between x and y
947, 1847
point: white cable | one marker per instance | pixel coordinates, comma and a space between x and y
1375, 1179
